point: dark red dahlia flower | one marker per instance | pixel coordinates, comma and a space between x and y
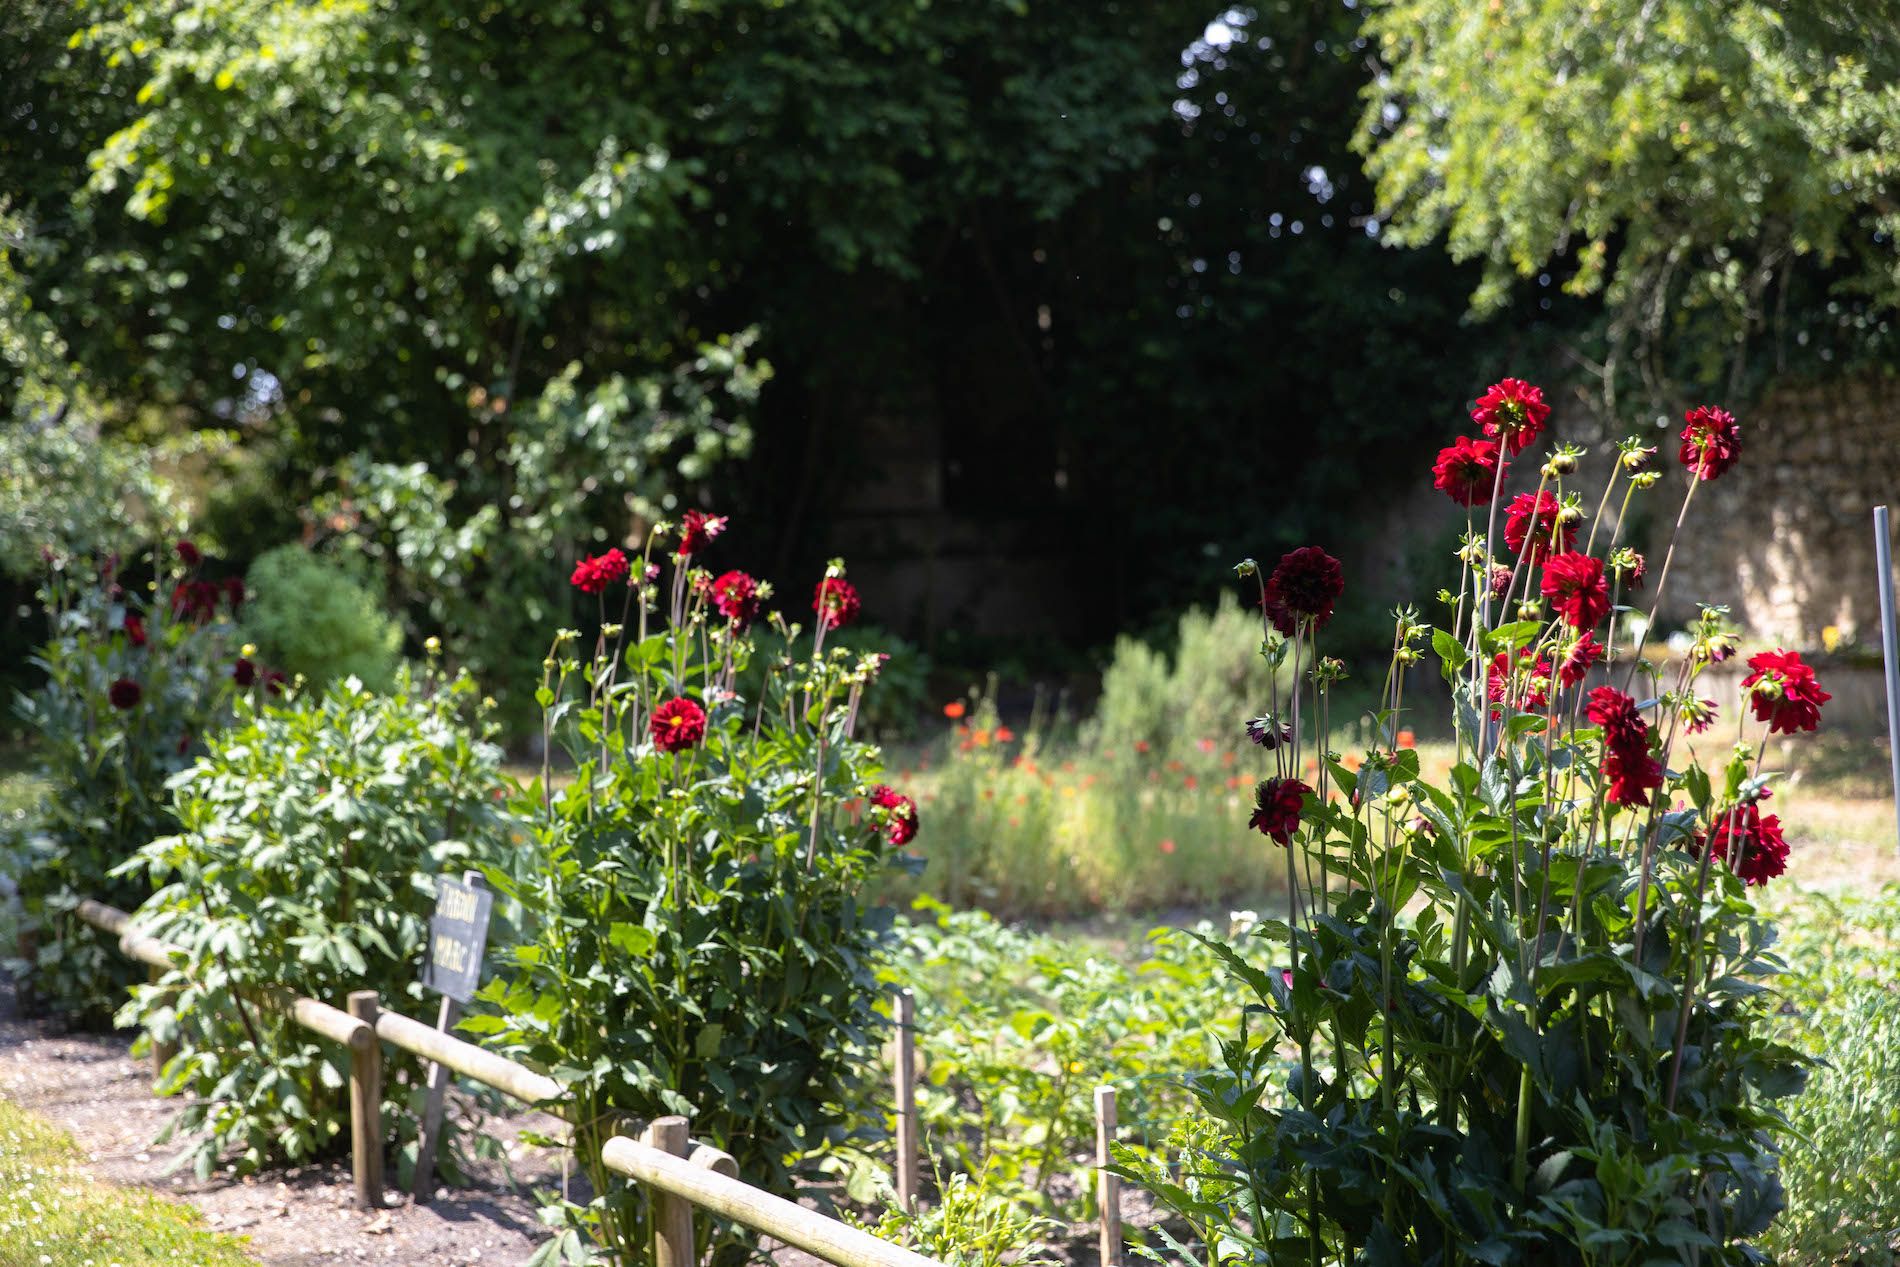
188, 553
1616, 713
1630, 568
901, 820
243, 672
1711, 441
1578, 661
1307, 583
196, 601
135, 629
1277, 807
1528, 687
1513, 412
275, 680
736, 597
1500, 579
592, 575
1751, 843
836, 602
1269, 732
1784, 691
1630, 775
1538, 517
125, 693
1467, 471
697, 530
678, 724
1576, 589
234, 593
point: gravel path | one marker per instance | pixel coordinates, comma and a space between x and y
90, 1086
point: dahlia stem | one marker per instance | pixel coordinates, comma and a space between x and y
1662, 579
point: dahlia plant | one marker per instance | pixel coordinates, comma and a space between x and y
695, 938
1523, 1014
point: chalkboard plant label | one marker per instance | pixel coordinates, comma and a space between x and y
458, 932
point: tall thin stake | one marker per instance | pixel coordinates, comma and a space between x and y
905, 1079
1889, 651
1110, 1185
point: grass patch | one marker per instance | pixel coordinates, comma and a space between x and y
53, 1215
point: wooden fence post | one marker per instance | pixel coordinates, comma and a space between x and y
905, 1080
366, 1105
1109, 1190
672, 1216
161, 1052
440, 1076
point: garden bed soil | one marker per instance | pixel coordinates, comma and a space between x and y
89, 1086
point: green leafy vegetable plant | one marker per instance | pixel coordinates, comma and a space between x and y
309, 838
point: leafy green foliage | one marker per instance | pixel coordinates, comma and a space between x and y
1015, 1031
693, 938
103, 770
312, 619
1687, 159
970, 1224
69, 490
1842, 1177
309, 838
1165, 706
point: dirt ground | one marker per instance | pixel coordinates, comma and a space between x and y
89, 1086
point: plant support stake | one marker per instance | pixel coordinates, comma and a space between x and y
905, 1076
1889, 652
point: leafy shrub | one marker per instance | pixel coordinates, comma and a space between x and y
696, 942
1844, 1179
132, 692
970, 1224
313, 618
309, 838
74, 493
1522, 1014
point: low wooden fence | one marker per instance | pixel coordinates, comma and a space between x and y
679, 1173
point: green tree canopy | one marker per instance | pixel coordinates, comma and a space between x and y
1696, 162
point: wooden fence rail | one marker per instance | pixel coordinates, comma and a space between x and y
679, 1171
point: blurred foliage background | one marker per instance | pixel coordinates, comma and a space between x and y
465, 292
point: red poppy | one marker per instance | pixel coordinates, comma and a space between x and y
1576, 589
1512, 411
125, 693
1167, 846
1538, 517
1711, 441
592, 575
678, 724
836, 602
1784, 691
1468, 471
736, 597
1277, 807
954, 709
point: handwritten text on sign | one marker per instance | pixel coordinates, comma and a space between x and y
458, 932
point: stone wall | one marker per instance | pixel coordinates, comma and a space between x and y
1785, 539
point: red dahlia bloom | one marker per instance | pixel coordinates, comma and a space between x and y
1528, 687
1513, 411
836, 602
1277, 806
1468, 471
1751, 843
678, 724
1269, 732
697, 530
901, 822
1630, 775
592, 575
1307, 583
1576, 589
1711, 441
274, 681
1500, 579
1784, 691
125, 693
1538, 517
189, 554
196, 601
234, 593
135, 629
1616, 713
1578, 661
736, 597
243, 672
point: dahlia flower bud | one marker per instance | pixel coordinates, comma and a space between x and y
1570, 514
248, 650
610, 631
548, 664
1563, 461
1635, 455
1246, 568
1530, 611
1645, 479
1406, 655
432, 644
565, 635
